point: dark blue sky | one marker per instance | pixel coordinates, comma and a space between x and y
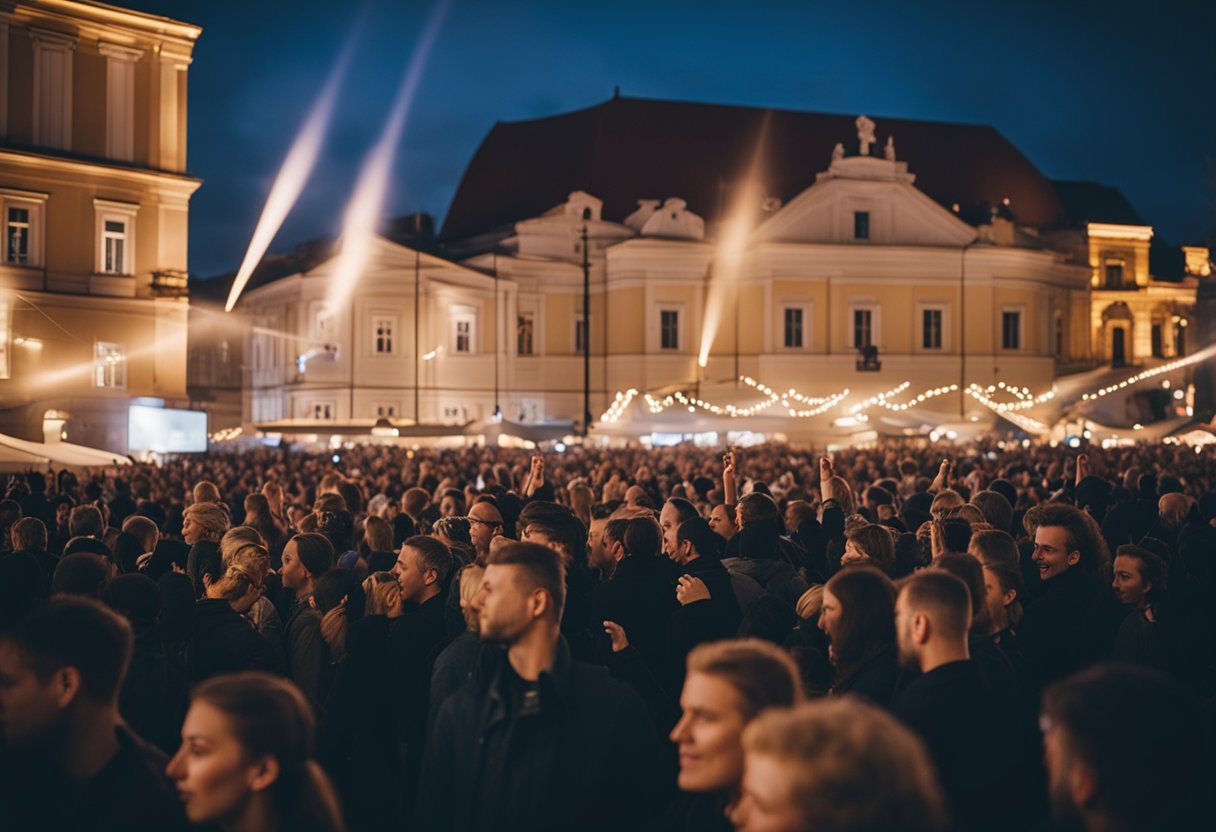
1084, 89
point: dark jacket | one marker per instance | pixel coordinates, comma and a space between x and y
874, 679
1069, 626
713, 619
776, 577
579, 753
307, 653
640, 597
221, 641
454, 669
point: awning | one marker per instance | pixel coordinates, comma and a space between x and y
64, 453
13, 460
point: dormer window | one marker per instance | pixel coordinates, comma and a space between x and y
861, 225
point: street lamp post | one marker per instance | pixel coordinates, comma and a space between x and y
586, 328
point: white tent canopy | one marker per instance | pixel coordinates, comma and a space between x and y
61, 453
12, 460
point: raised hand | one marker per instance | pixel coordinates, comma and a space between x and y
617, 633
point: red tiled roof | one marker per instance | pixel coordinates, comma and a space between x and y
627, 149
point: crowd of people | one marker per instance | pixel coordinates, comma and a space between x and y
1001, 636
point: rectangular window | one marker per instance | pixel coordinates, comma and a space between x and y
53, 89
931, 329
383, 333
114, 244
1059, 335
793, 328
863, 328
861, 225
17, 236
1158, 341
464, 336
386, 410
1011, 330
323, 411
120, 101
669, 329
109, 365
1114, 275
525, 334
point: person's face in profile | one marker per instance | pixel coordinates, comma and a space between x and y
709, 734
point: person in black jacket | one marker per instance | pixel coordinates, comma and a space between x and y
708, 609
556, 526
951, 706
858, 616
1072, 622
545, 742
305, 557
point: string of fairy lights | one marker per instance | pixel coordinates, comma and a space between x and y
1020, 398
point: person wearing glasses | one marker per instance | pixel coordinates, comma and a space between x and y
485, 524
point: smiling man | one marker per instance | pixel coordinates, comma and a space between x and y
1073, 621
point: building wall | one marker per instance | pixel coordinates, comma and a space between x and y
113, 147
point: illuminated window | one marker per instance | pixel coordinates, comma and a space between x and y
115, 237
384, 329
669, 329
109, 365
861, 225
464, 330
525, 334
17, 236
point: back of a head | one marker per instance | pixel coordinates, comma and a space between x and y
211, 517
954, 533
378, 534
85, 521
945, 502
80, 633
82, 573
943, 597
330, 588
314, 551
685, 510
757, 508
206, 492
971, 572
836, 751
994, 545
536, 567
237, 537
135, 597
328, 501
29, 535
643, 537
144, 530
878, 544
1152, 771
414, 501
339, 527
763, 675
270, 717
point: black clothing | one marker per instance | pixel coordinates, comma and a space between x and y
307, 653
221, 641
46, 561
130, 794
641, 598
573, 750
203, 555
156, 691
957, 716
1071, 625
454, 669
694, 812
875, 679
576, 615
713, 619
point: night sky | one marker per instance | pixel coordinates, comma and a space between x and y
1089, 92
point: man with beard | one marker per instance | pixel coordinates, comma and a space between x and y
1124, 750
543, 742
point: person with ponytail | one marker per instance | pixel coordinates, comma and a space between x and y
246, 759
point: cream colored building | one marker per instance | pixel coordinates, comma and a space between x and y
94, 203
826, 290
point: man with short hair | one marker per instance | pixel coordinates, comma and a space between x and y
639, 595
1124, 751
949, 705
556, 527
541, 742
485, 524
675, 511
722, 521
708, 607
69, 761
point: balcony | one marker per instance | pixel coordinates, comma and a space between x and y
170, 283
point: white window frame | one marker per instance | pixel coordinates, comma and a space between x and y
52, 103
875, 311
805, 307
921, 309
109, 365
389, 323
120, 100
106, 210
464, 315
35, 203
323, 410
667, 309
1021, 313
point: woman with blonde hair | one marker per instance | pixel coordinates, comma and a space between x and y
246, 760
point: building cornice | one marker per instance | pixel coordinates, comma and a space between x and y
43, 163
102, 14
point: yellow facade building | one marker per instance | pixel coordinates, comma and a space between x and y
94, 204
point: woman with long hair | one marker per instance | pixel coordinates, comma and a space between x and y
858, 617
246, 759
